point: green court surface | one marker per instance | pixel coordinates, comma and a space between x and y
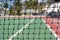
36, 30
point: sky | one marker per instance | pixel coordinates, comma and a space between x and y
41, 1
38, 1
11, 2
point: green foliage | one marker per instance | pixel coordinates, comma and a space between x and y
12, 11
31, 4
16, 8
41, 11
5, 5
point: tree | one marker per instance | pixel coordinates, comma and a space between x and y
0, 11
5, 6
12, 11
31, 4
18, 6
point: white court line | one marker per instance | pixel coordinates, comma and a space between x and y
20, 30
51, 30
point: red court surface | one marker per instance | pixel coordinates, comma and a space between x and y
54, 24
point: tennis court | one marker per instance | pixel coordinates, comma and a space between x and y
15, 28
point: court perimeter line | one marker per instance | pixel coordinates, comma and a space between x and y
51, 29
21, 29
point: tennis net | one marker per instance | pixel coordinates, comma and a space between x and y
27, 28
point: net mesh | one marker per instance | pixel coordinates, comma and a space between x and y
30, 26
